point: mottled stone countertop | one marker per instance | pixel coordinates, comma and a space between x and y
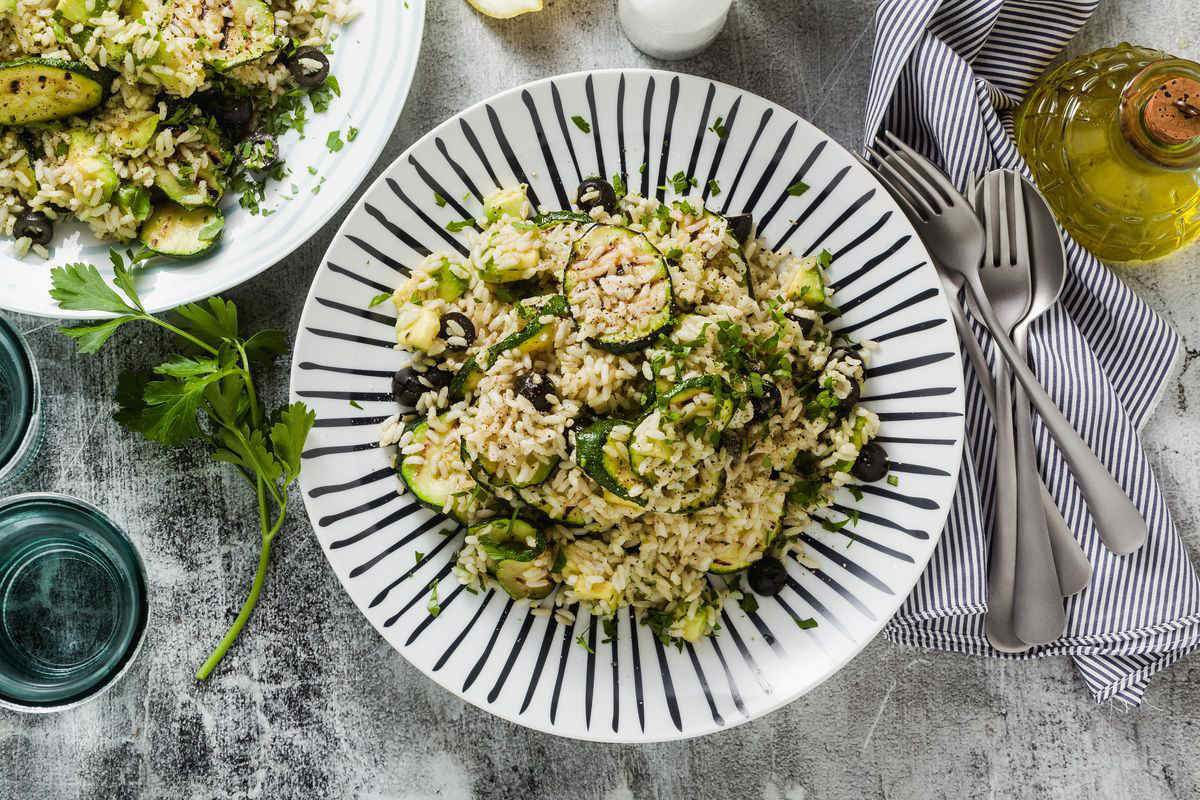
311, 703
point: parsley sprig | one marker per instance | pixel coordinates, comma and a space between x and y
204, 393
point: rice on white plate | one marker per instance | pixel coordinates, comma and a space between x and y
118, 109
623, 404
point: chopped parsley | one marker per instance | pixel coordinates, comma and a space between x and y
680, 182
458, 225
674, 255
581, 123
618, 184
660, 622
334, 141
806, 624
438, 200
719, 128
748, 602
610, 630
352, 134
642, 168
354, 404
382, 297
432, 606
686, 208
419, 555
714, 188
893, 480
798, 188
855, 492
582, 642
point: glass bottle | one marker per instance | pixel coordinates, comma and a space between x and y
1113, 141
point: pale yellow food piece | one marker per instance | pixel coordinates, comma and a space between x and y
503, 9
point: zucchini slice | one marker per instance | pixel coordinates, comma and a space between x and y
172, 230
45, 89
701, 492
511, 577
807, 284
432, 491
488, 474
466, 380
245, 31
606, 461
508, 539
618, 287
708, 395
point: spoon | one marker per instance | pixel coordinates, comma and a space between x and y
1049, 274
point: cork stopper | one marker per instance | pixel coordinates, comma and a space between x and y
1172, 114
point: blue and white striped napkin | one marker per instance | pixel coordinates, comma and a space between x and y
947, 75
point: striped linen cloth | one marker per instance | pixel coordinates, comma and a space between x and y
947, 75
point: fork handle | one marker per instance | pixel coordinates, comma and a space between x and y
1074, 571
999, 622
1117, 519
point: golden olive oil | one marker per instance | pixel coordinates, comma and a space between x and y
1113, 141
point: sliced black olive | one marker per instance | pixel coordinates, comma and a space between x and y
309, 66
766, 404
260, 152
35, 225
871, 464
457, 330
842, 352
806, 323
536, 387
767, 576
740, 225
596, 192
232, 112
409, 383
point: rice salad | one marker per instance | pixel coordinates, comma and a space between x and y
136, 117
630, 405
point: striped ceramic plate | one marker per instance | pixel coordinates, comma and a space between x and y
578, 680
383, 41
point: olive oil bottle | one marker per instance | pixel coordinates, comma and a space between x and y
1113, 141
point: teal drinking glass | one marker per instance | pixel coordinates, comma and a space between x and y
73, 606
20, 404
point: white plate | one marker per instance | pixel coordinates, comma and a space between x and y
489, 650
373, 60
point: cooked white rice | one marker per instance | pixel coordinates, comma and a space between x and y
34, 173
617, 553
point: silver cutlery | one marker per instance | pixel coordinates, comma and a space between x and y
955, 237
1049, 274
1037, 614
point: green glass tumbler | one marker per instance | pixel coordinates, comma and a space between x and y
20, 404
73, 606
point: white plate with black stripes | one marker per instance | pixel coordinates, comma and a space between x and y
535, 671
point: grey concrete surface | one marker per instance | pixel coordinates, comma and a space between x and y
312, 704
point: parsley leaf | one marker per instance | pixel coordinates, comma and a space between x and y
714, 188
718, 127
334, 141
382, 297
893, 480
806, 624
618, 184
798, 188
458, 225
582, 642
581, 123
438, 200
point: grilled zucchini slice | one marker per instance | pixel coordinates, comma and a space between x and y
606, 461
430, 490
604, 262
45, 89
172, 230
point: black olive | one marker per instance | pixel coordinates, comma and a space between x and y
232, 112
740, 225
871, 464
457, 330
767, 576
851, 400
309, 66
596, 192
732, 441
805, 463
766, 404
806, 323
259, 153
536, 387
409, 383
842, 352
35, 225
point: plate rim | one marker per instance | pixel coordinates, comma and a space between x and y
354, 188
835, 665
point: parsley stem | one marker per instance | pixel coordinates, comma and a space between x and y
181, 333
243, 616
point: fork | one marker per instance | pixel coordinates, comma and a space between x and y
955, 237
1037, 613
